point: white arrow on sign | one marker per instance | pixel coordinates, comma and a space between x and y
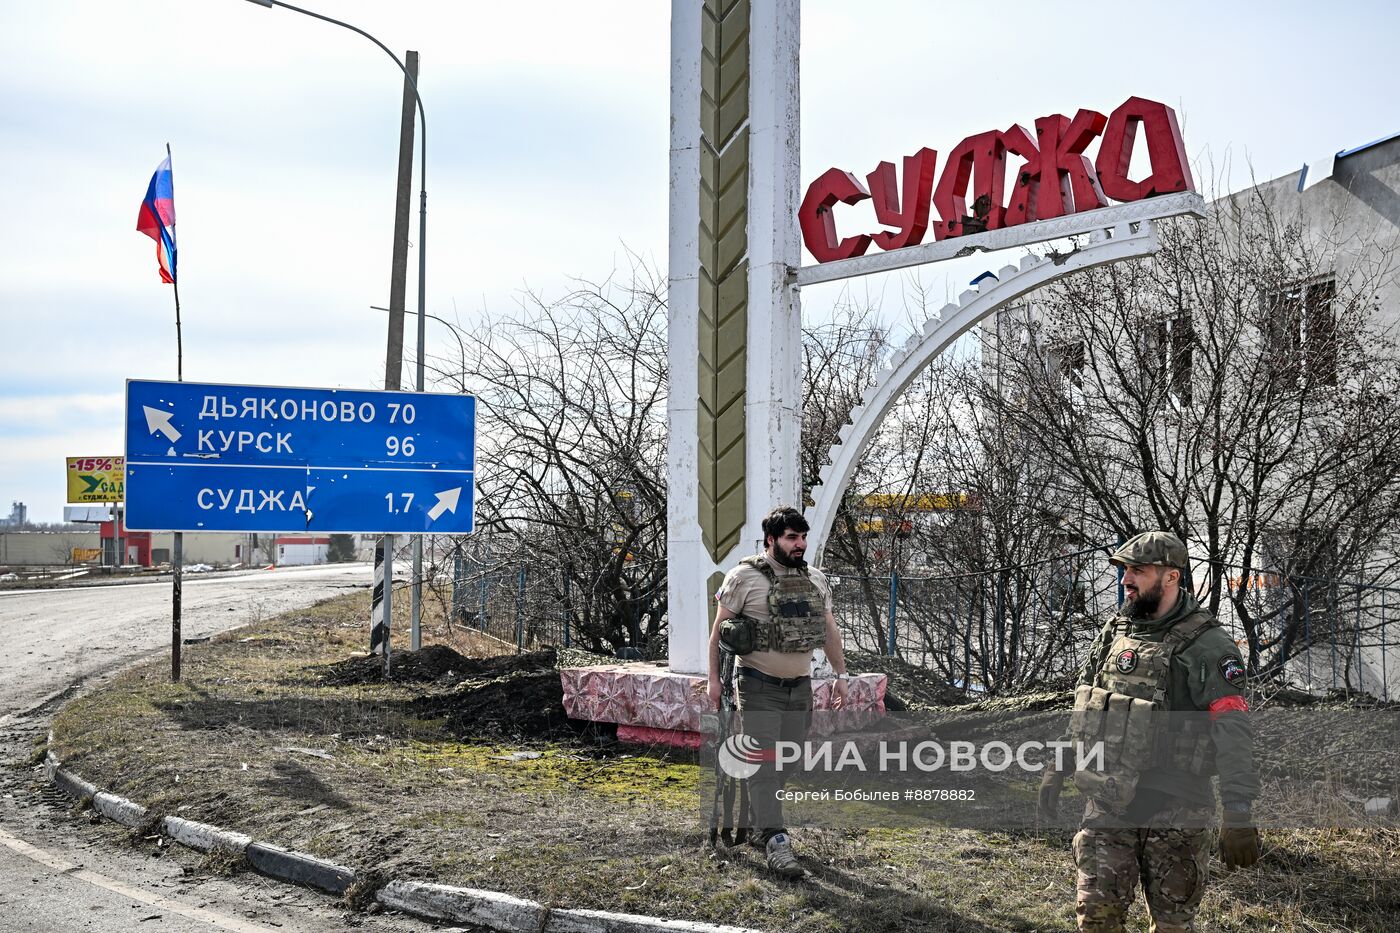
157, 420
446, 502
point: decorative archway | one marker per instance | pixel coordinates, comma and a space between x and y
735, 273
1105, 246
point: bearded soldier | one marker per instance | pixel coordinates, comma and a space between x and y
1162, 690
781, 610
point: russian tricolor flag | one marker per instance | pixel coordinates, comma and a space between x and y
157, 219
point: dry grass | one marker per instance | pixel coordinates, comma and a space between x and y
243, 742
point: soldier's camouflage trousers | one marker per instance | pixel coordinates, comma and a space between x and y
1171, 855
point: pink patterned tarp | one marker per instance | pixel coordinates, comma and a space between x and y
645, 696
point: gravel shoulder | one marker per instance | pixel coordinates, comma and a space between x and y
464, 771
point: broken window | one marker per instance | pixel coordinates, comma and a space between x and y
1067, 360
1302, 331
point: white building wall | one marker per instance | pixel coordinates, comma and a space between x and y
301, 555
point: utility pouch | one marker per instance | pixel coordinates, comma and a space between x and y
1190, 747
1086, 723
1114, 787
1107, 718
741, 635
1140, 739
1115, 727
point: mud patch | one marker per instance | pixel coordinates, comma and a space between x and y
909, 686
514, 697
435, 662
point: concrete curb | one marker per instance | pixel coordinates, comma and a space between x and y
517, 915
605, 921
119, 809
464, 905
69, 783
300, 868
203, 837
503, 912
273, 861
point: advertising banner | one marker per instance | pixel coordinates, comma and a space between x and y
96, 479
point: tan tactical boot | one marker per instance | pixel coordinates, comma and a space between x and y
781, 860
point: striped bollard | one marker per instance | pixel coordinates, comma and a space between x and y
381, 602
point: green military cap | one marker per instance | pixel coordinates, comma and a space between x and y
1151, 547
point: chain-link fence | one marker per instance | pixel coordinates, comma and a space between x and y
999, 630
1003, 630
533, 605
1032, 624
1319, 634
527, 606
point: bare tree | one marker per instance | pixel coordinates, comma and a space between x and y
1006, 600
1237, 389
839, 359
571, 452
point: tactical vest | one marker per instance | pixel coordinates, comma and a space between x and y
797, 610
1124, 709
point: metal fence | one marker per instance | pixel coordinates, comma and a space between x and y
999, 630
1331, 634
1031, 624
527, 606
1013, 628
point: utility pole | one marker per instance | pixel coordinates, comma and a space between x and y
382, 607
380, 615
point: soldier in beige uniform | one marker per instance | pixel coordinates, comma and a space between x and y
788, 606
1163, 691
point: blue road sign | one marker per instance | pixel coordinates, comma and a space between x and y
203, 457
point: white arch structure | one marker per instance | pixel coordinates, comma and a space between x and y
1105, 246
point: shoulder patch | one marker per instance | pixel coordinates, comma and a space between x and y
1232, 670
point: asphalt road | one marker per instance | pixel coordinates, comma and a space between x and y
59, 870
55, 638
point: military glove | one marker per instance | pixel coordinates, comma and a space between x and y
1050, 786
1239, 841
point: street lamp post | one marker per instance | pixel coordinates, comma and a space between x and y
451, 329
422, 273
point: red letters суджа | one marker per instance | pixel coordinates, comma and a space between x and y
819, 223
908, 215
1055, 178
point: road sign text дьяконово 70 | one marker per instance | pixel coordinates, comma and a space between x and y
203, 457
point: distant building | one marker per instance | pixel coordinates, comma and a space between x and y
19, 515
300, 550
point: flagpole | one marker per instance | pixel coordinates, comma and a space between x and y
174, 281
177, 558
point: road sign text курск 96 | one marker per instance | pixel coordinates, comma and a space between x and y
203, 457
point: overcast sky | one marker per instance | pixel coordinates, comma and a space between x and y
547, 157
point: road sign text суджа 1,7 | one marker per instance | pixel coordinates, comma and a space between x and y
203, 457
